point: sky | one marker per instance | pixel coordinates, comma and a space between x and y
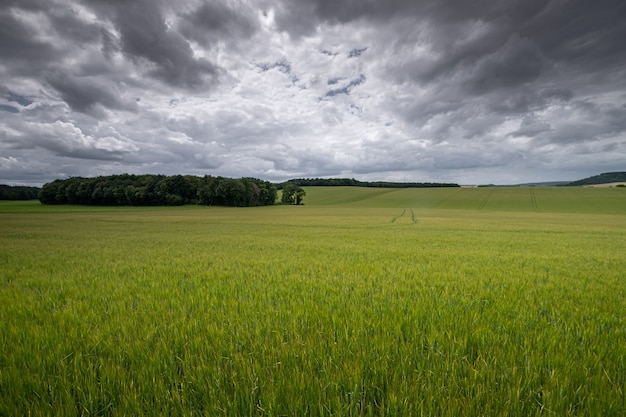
469, 92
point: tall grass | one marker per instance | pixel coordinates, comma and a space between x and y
314, 310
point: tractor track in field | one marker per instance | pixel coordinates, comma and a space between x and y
397, 217
413, 218
485, 200
533, 200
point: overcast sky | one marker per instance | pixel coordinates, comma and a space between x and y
481, 91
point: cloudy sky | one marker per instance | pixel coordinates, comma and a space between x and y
481, 91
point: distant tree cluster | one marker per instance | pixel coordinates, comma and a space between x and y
351, 182
159, 190
8, 192
292, 194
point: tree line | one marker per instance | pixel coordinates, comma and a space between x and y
351, 182
159, 190
8, 192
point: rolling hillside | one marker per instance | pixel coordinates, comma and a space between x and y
522, 199
605, 178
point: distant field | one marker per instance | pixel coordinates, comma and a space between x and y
446, 302
530, 199
610, 184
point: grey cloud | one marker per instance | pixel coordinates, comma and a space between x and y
18, 48
556, 94
518, 62
219, 21
88, 94
531, 128
584, 122
8, 109
343, 11
145, 36
69, 26
520, 100
16, 98
410, 155
585, 26
464, 35
67, 140
526, 99
300, 162
17, 171
445, 87
588, 34
110, 44
298, 18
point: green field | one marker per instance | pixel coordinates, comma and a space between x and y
433, 302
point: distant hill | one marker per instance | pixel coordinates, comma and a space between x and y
540, 184
351, 182
605, 178
545, 184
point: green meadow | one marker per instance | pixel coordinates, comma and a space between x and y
362, 302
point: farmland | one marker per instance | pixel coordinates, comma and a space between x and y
447, 302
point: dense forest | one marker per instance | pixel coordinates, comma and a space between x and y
8, 192
351, 182
159, 190
604, 178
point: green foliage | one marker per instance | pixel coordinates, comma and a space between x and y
385, 302
159, 190
292, 194
8, 192
244, 192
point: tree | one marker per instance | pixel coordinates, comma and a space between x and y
292, 194
175, 190
151, 190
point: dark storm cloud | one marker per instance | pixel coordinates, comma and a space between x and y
218, 21
531, 34
582, 32
517, 62
266, 87
145, 36
69, 25
300, 17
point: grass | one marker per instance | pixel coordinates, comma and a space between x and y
440, 302
536, 199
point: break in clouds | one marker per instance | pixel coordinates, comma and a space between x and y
404, 90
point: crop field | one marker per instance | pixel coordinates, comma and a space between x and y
362, 302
